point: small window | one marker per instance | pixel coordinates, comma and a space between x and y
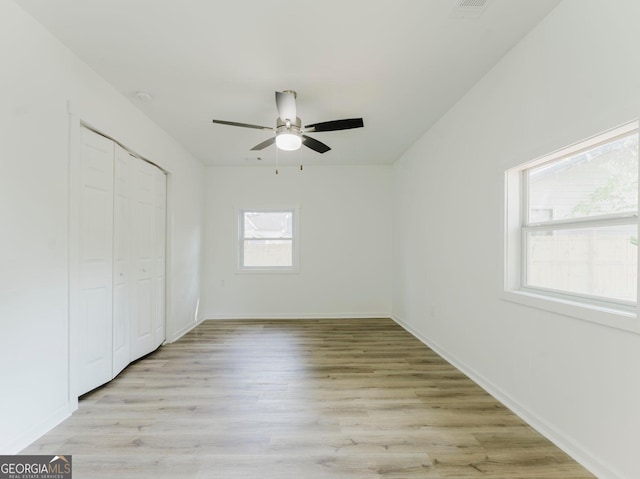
572, 220
268, 240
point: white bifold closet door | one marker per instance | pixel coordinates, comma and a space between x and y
95, 258
147, 234
160, 248
121, 260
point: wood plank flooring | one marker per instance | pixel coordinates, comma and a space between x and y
302, 399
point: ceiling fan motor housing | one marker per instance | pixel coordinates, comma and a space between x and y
283, 127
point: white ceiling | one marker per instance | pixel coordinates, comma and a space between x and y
399, 64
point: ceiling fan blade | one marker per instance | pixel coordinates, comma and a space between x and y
336, 125
314, 144
243, 125
286, 103
264, 144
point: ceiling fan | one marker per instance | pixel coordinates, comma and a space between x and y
289, 132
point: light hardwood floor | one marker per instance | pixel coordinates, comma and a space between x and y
299, 399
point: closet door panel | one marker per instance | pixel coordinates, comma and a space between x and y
95, 262
160, 191
142, 261
122, 260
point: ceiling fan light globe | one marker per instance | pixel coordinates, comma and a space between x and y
288, 141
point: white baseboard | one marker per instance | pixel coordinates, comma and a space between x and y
30, 436
254, 316
181, 332
561, 440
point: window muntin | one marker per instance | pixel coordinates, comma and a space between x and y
267, 240
579, 224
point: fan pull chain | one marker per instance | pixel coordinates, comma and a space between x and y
300, 158
277, 159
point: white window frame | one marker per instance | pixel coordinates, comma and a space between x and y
618, 314
295, 240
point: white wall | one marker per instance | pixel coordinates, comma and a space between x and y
345, 242
575, 75
39, 77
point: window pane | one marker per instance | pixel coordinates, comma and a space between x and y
276, 253
594, 261
602, 180
261, 224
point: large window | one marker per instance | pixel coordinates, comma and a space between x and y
268, 240
572, 220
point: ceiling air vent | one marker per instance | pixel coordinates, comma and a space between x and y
469, 8
471, 3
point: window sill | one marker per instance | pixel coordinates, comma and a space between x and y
267, 271
606, 316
